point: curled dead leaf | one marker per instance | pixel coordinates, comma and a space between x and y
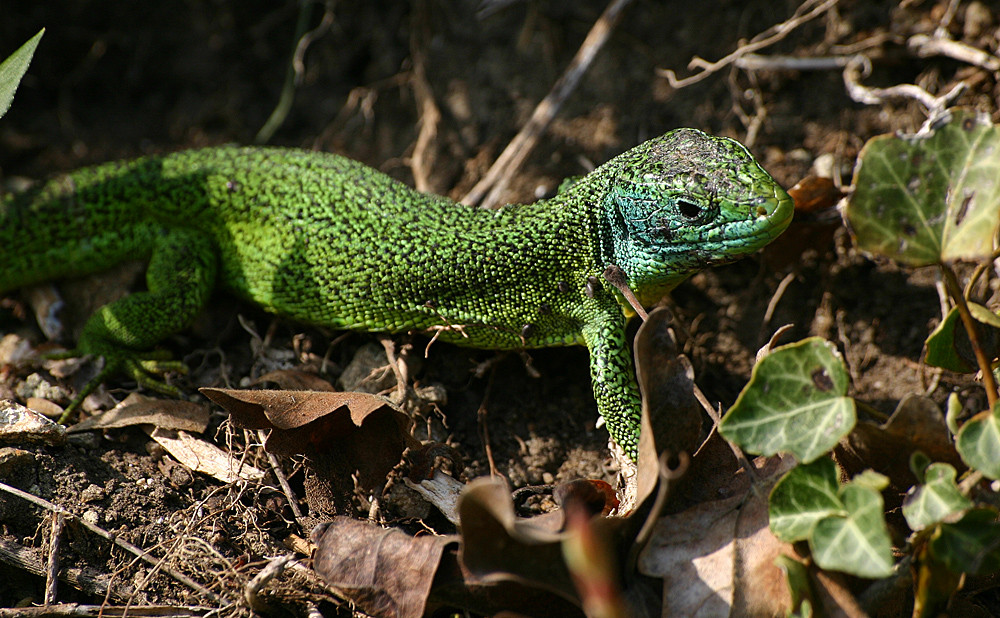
816, 220
295, 379
385, 571
498, 546
340, 432
671, 416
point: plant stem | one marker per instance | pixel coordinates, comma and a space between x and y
951, 283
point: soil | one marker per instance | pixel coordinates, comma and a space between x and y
128, 79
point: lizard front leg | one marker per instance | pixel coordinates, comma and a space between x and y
613, 374
180, 277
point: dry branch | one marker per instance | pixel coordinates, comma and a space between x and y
487, 191
139, 553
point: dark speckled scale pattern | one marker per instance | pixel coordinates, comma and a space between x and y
326, 240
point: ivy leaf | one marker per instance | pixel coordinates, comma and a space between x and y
795, 402
970, 545
978, 442
805, 495
936, 499
948, 347
932, 197
856, 542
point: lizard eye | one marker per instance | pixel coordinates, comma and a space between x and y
689, 209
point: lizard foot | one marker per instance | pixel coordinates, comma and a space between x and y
143, 367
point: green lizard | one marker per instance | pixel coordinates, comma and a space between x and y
328, 241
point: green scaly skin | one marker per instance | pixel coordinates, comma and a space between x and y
325, 240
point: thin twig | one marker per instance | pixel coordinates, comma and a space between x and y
430, 115
765, 39
28, 559
716, 419
487, 191
399, 368
52, 568
861, 65
926, 46
614, 275
293, 76
251, 592
757, 62
753, 123
101, 532
293, 503
978, 272
772, 305
484, 428
76, 610
949, 15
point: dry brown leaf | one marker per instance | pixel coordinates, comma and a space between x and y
271, 409
816, 220
295, 379
497, 546
389, 573
717, 558
501, 550
385, 572
201, 456
671, 416
712, 473
917, 424
138, 410
837, 601
593, 496
814, 194
340, 432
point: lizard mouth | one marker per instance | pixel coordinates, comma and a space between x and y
773, 215
740, 238
783, 211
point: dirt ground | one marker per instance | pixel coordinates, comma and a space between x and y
118, 80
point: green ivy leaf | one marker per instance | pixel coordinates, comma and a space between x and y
978, 442
935, 583
858, 541
970, 545
948, 347
936, 499
13, 68
984, 315
931, 197
919, 463
795, 402
941, 349
805, 495
871, 479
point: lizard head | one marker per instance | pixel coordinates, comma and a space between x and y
684, 201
